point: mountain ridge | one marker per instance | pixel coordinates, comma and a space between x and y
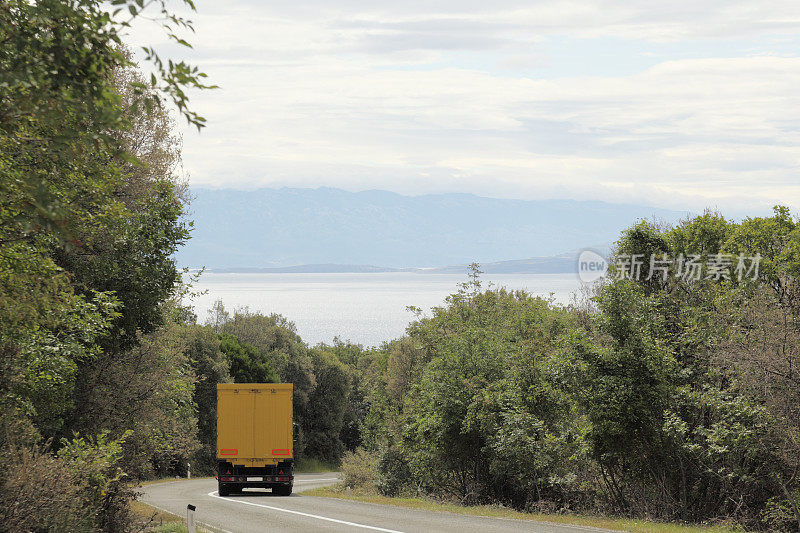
286, 227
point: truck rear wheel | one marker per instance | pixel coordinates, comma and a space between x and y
223, 490
283, 491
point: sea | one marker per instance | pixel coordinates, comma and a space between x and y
363, 308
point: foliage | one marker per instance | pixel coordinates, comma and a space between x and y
328, 406
322, 426
91, 211
210, 366
247, 363
148, 391
472, 403
80, 489
665, 396
359, 470
96, 467
38, 493
674, 429
394, 475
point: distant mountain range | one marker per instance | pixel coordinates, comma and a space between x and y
332, 230
537, 265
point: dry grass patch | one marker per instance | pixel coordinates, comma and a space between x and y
158, 521
149, 515
497, 511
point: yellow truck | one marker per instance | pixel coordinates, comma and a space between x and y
255, 437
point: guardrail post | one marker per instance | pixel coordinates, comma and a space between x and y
190, 518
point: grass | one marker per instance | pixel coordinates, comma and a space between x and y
172, 527
159, 521
313, 465
494, 511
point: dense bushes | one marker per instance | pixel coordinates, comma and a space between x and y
665, 396
82, 488
91, 212
359, 470
475, 406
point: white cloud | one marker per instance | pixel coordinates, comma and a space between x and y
433, 96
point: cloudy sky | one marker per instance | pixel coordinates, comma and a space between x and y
680, 104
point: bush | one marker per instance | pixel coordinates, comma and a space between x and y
104, 489
37, 493
80, 489
781, 514
359, 470
394, 474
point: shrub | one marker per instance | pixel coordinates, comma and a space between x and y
782, 514
37, 493
359, 470
104, 489
80, 489
394, 474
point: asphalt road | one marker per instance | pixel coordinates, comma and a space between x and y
258, 510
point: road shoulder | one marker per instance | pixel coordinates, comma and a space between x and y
491, 511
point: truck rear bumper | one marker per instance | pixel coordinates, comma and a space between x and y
236, 485
234, 477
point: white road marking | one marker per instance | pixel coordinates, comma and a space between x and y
214, 494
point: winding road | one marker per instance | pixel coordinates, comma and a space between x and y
258, 510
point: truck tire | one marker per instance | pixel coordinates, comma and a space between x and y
283, 491
223, 490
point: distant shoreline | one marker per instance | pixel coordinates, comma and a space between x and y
538, 265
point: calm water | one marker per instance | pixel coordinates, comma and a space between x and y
364, 308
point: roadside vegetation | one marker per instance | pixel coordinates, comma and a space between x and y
498, 511
105, 379
660, 397
147, 518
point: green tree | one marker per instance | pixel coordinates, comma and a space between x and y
668, 416
211, 366
322, 426
247, 363
85, 240
486, 397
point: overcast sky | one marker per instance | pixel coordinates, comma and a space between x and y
681, 104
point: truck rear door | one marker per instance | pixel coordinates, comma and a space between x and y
273, 423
